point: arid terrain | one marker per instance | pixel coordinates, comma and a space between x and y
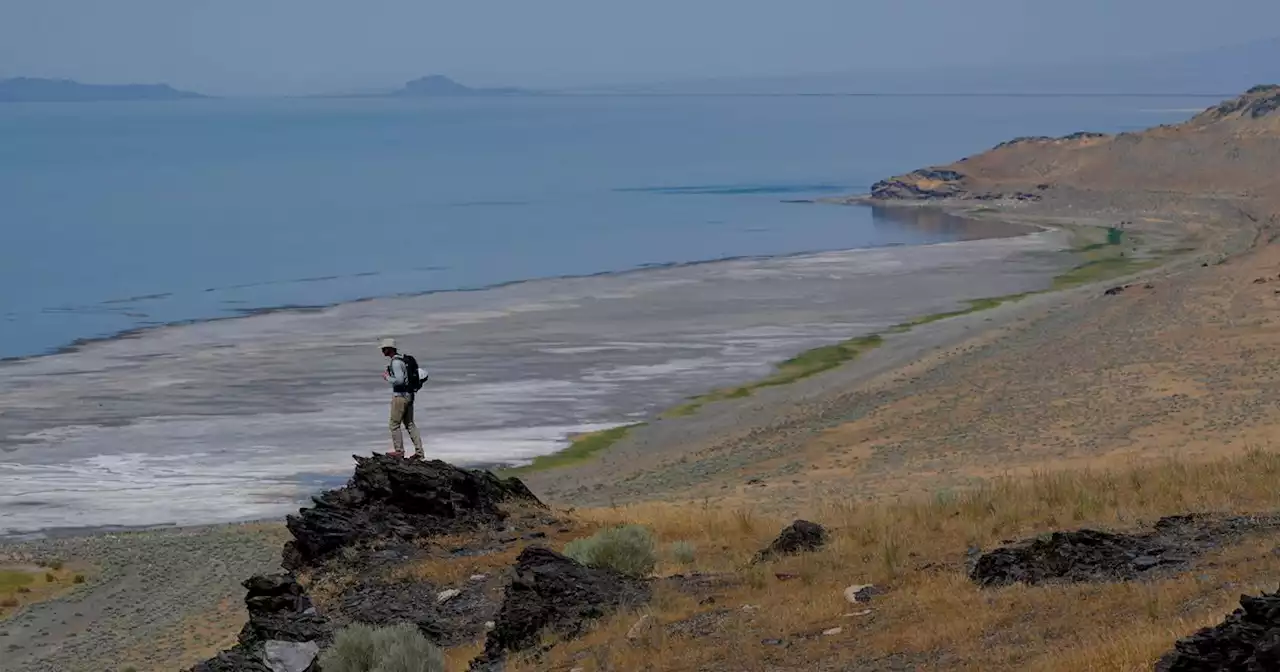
1143, 388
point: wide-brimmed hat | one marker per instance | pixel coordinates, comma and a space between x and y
388, 343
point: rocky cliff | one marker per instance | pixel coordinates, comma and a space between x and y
389, 499
384, 550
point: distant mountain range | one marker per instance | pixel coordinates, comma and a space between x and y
1214, 72
27, 89
439, 85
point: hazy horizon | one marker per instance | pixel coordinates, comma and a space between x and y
291, 47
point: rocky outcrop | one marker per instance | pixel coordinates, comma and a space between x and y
1258, 102
798, 537
1247, 641
550, 592
284, 632
1081, 555
393, 499
945, 183
926, 184
1093, 555
457, 618
1047, 139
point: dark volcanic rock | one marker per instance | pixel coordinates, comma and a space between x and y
550, 591
394, 499
1082, 555
280, 616
456, 621
797, 537
1092, 555
1247, 641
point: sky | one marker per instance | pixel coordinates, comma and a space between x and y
259, 47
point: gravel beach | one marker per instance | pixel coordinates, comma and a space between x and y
152, 600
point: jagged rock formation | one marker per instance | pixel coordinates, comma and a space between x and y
388, 504
552, 592
284, 632
1081, 555
393, 499
457, 620
1256, 103
1093, 555
1248, 640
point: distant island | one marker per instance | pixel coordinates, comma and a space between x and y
32, 90
439, 85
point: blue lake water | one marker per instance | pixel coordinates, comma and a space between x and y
125, 215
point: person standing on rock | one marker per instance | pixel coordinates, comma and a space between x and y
405, 379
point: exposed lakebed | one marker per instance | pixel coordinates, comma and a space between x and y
239, 419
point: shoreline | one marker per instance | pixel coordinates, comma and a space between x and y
79, 344
256, 543
614, 359
582, 450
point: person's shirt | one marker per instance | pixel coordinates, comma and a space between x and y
399, 377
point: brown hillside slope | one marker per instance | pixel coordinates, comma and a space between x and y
1228, 151
1078, 410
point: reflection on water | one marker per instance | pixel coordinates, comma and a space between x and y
939, 222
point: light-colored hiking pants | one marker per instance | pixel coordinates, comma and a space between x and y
402, 414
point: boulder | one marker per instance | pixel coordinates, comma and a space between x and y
1080, 555
393, 499
552, 592
1248, 640
859, 593
798, 537
290, 656
1093, 555
280, 610
284, 632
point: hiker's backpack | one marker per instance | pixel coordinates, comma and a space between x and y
414, 377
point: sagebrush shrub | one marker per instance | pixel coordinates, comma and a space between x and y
683, 552
395, 648
627, 549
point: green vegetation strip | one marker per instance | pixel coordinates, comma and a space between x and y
581, 450
803, 365
975, 305
11, 580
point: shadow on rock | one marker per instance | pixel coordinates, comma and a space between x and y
1247, 641
284, 632
392, 499
1093, 555
456, 620
554, 593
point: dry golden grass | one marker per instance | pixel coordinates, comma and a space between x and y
443, 569
192, 639
932, 617
22, 585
